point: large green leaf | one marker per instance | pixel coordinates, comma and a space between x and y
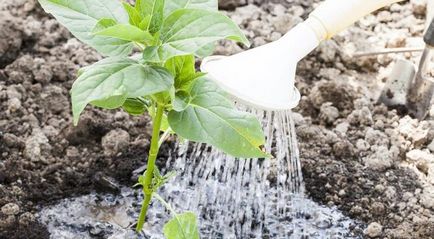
81, 16
211, 118
126, 32
187, 31
109, 82
206, 50
182, 226
156, 15
134, 16
172, 5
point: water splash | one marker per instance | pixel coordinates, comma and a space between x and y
245, 198
234, 198
239, 196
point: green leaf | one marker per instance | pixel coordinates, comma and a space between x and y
211, 118
156, 16
145, 7
187, 31
182, 226
183, 68
139, 7
134, 16
134, 107
206, 50
173, 5
144, 24
112, 102
104, 23
81, 16
113, 79
181, 101
153, 54
124, 32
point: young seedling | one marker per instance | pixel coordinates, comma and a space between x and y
161, 81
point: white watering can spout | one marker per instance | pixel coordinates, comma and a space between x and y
263, 77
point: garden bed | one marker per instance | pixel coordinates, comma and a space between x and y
375, 165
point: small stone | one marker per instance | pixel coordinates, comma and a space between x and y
431, 146
120, 116
328, 50
418, 155
379, 124
376, 137
362, 145
283, 23
390, 193
342, 127
14, 92
298, 119
378, 208
231, 4
340, 94
361, 116
14, 104
423, 166
12, 141
374, 230
379, 188
10, 209
43, 74
72, 153
11, 38
105, 184
384, 16
27, 218
275, 36
55, 99
407, 125
115, 141
418, 7
381, 159
50, 131
36, 145
328, 113
343, 149
427, 198
419, 136
356, 210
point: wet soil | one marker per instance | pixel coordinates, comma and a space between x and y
374, 164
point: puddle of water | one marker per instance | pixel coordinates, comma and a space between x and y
113, 217
234, 198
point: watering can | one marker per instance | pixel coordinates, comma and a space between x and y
263, 77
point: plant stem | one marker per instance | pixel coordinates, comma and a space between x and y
149, 174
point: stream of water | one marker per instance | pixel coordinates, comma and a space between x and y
234, 198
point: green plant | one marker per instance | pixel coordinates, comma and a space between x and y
162, 80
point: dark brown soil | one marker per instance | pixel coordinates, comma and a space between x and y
354, 151
44, 158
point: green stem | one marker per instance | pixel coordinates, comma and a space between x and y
149, 174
